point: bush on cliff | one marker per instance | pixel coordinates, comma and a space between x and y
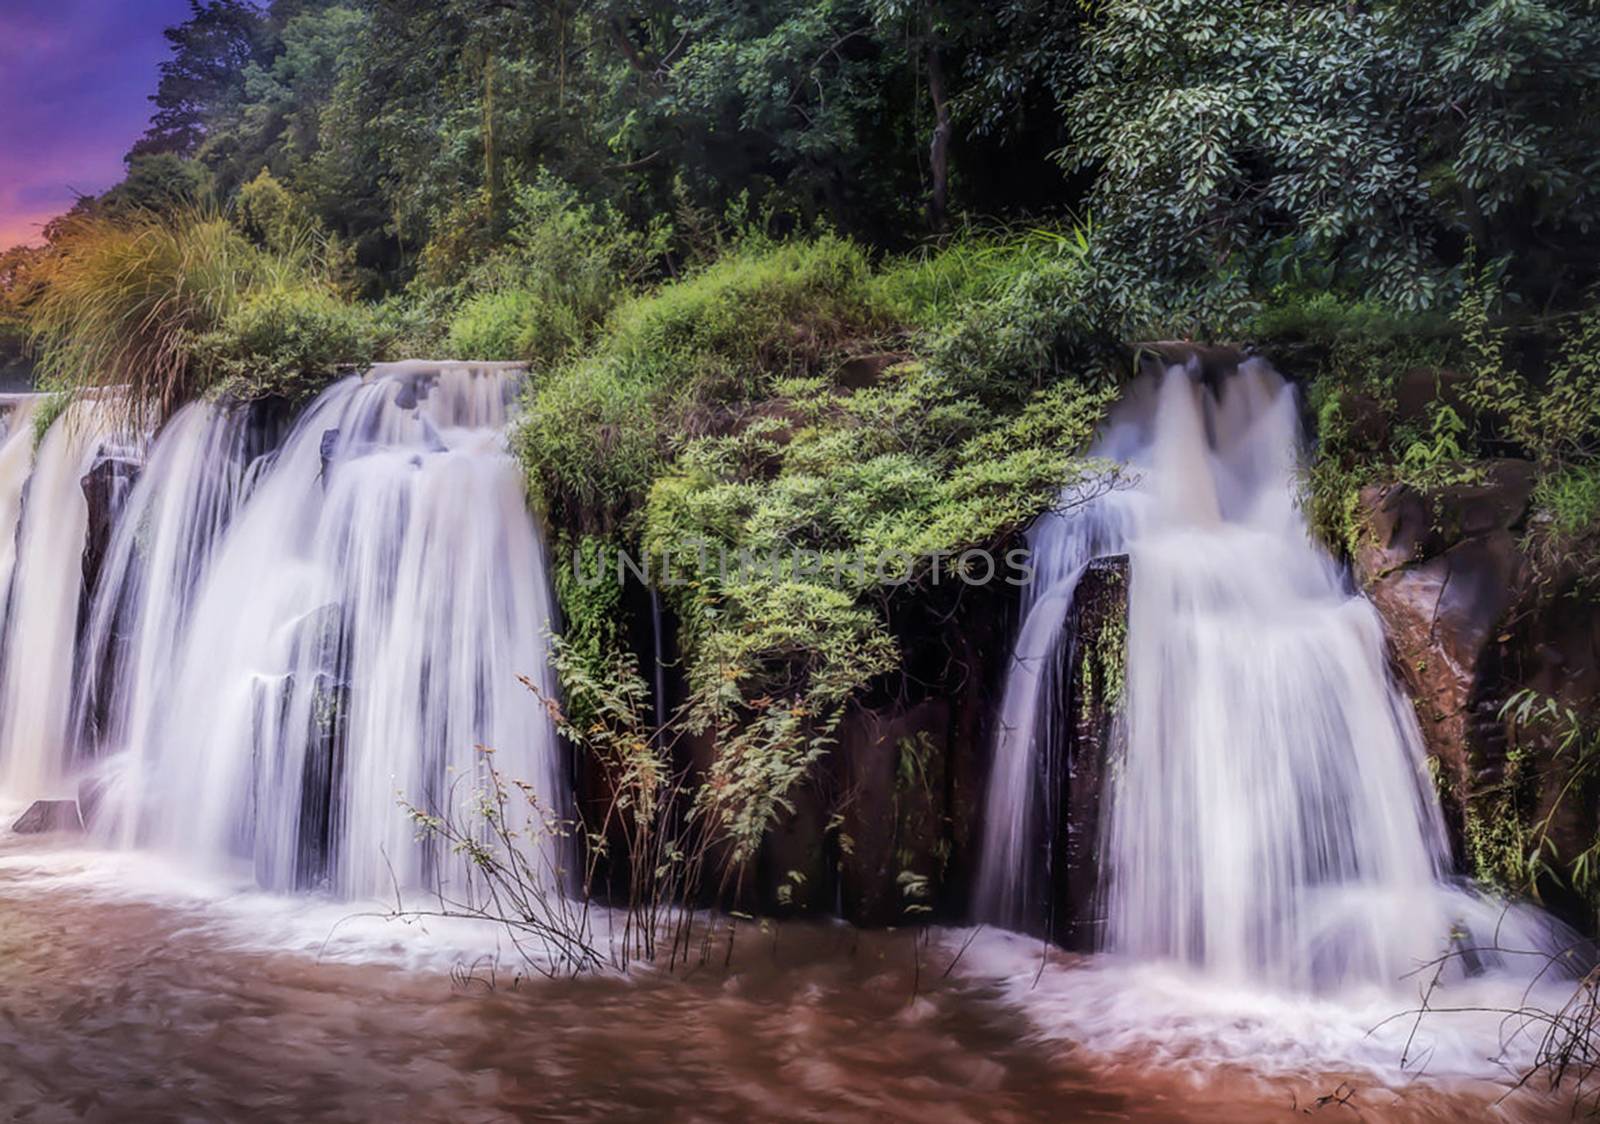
541, 289
682, 360
173, 306
793, 436
288, 340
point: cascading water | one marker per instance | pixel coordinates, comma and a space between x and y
42, 609
1270, 816
16, 462
286, 651
196, 476
345, 644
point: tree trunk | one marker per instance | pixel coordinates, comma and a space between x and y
939, 149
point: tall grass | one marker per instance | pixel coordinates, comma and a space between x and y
123, 302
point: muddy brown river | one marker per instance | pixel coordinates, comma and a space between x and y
126, 998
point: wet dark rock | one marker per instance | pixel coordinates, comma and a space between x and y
1364, 420
1471, 621
1419, 388
792, 869
328, 449
885, 830
891, 766
105, 490
413, 387
1097, 626
1214, 362
862, 371
49, 815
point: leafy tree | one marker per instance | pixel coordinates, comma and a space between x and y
1377, 138
203, 83
158, 182
1511, 152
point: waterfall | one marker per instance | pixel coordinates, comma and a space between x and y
288, 651
193, 481
16, 462
357, 634
1269, 815
46, 587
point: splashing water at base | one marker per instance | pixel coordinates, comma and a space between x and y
117, 966
1270, 819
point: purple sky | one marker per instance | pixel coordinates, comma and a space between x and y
74, 79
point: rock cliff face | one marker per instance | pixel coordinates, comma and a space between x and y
1471, 621
1444, 571
887, 831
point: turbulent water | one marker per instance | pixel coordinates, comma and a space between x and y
1271, 819
133, 992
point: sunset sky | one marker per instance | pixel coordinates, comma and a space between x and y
75, 76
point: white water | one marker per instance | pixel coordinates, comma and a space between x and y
1270, 820
16, 462
42, 611
186, 495
286, 653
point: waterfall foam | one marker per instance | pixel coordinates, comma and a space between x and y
1270, 817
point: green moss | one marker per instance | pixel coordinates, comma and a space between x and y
1496, 839
1105, 663
601, 426
49, 411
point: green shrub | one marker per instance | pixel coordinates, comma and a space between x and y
1072, 312
172, 307
1570, 500
1327, 317
929, 288
601, 425
1564, 530
288, 340
514, 323
540, 291
122, 303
